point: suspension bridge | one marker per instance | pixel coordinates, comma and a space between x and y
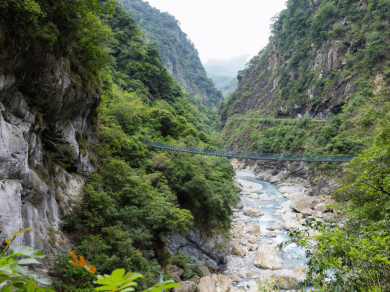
246, 155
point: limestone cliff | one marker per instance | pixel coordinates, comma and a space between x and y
325, 61
44, 112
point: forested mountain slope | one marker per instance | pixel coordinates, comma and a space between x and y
325, 62
79, 87
223, 72
180, 56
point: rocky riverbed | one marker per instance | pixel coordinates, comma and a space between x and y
260, 222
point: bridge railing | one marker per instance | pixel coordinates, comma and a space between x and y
264, 156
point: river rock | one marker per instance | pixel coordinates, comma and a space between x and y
253, 288
254, 196
291, 224
253, 229
268, 199
267, 276
250, 274
321, 207
224, 282
307, 212
252, 239
238, 184
249, 187
286, 279
266, 257
205, 270
214, 277
187, 286
300, 205
239, 206
239, 250
270, 234
237, 235
252, 212
235, 278
206, 284
254, 247
300, 273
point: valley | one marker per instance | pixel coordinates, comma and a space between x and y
88, 202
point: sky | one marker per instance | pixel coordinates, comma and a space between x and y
221, 29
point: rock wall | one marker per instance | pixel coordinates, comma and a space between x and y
43, 107
210, 249
284, 173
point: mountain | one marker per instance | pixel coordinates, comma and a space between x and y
80, 86
223, 72
307, 90
180, 56
226, 67
226, 84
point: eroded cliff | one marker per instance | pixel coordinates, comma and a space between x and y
45, 115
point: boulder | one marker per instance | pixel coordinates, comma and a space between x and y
300, 204
291, 224
253, 229
321, 207
254, 247
239, 250
235, 214
253, 288
224, 282
235, 278
300, 273
240, 205
307, 212
205, 270
174, 271
187, 286
267, 276
249, 187
266, 257
242, 273
268, 199
238, 184
254, 196
252, 212
252, 239
237, 235
270, 234
286, 279
214, 277
250, 274
206, 284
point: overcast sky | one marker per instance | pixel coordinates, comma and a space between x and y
223, 28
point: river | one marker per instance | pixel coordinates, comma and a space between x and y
274, 210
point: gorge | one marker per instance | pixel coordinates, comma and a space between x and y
82, 84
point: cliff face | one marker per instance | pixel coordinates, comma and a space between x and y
260, 89
325, 62
44, 110
179, 54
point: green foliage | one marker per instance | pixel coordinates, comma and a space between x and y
13, 275
355, 251
177, 51
67, 25
351, 30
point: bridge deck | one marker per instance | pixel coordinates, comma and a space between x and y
259, 156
